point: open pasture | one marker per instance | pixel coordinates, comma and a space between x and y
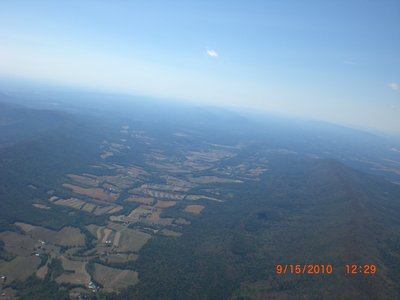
41, 206
114, 279
194, 209
142, 200
72, 202
76, 272
119, 258
20, 268
18, 244
155, 219
96, 193
132, 240
89, 207
170, 233
165, 204
67, 236
91, 181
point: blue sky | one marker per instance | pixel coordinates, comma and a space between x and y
337, 61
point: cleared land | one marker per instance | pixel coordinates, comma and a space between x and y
155, 219
114, 279
158, 194
41, 206
93, 229
213, 179
165, 204
19, 268
106, 210
143, 200
135, 215
67, 236
42, 271
96, 193
89, 207
182, 221
72, 202
119, 258
76, 272
170, 233
117, 239
201, 197
133, 240
84, 180
106, 234
194, 209
18, 244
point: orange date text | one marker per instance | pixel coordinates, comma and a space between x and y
313, 269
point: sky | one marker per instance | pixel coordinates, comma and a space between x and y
337, 61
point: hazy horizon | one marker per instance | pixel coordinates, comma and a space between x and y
323, 61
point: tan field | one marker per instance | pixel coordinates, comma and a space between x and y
133, 240
89, 207
182, 221
96, 193
170, 233
194, 209
213, 179
42, 271
106, 235
114, 279
18, 244
165, 187
135, 171
135, 215
173, 181
115, 209
53, 198
155, 218
67, 236
99, 233
160, 194
72, 202
93, 229
165, 204
85, 180
120, 181
106, 154
25, 226
169, 167
115, 226
41, 206
119, 258
78, 274
117, 239
19, 268
199, 197
79, 293
107, 210
209, 156
142, 200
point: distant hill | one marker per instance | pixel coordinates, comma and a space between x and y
303, 212
18, 123
215, 200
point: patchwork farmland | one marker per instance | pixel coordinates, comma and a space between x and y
134, 202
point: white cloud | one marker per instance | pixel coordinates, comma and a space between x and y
212, 53
394, 86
